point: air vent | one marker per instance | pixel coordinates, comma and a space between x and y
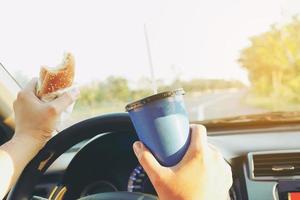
274, 165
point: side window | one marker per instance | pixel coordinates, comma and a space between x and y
8, 92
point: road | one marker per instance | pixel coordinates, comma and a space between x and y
219, 105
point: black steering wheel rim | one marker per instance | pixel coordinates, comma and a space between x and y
115, 122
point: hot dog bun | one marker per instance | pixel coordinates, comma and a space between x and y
54, 79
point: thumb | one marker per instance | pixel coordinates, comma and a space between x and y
153, 169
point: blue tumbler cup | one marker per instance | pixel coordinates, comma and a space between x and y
162, 124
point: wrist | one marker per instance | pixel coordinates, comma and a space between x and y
28, 141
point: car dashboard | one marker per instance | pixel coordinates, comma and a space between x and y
107, 163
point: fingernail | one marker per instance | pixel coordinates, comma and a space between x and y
75, 92
137, 147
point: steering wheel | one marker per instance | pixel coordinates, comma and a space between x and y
113, 123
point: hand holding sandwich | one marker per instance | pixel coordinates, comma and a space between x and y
45, 100
35, 121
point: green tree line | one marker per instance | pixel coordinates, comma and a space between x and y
117, 89
273, 64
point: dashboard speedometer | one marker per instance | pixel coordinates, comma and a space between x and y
139, 182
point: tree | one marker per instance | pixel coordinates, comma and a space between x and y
117, 89
273, 62
91, 94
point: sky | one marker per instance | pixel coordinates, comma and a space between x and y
188, 38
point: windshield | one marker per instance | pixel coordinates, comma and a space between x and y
231, 57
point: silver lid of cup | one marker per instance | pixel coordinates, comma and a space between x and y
152, 98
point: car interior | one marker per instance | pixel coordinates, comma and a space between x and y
252, 118
95, 156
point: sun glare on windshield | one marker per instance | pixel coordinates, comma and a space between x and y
231, 57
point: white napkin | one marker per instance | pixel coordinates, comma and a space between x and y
67, 112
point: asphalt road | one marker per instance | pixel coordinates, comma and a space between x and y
219, 105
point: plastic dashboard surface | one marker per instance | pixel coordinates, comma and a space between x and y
232, 146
